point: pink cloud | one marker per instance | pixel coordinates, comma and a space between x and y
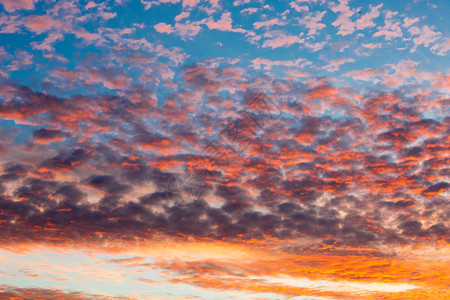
423, 36
257, 63
315, 46
47, 44
191, 3
250, 10
346, 25
298, 8
407, 22
187, 30
224, 24
299, 5
108, 78
9, 24
334, 64
441, 48
372, 45
312, 21
240, 2
23, 58
392, 75
182, 15
68, 74
87, 36
107, 15
163, 28
13, 5
148, 4
366, 21
280, 39
343, 22
90, 5
42, 23
391, 29
268, 23
370, 75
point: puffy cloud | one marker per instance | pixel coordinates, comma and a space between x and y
149, 3
407, 22
267, 24
185, 30
256, 174
343, 21
182, 15
334, 64
13, 5
441, 48
163, 28
224, 24
312, 22
41, 23
423, 36
391, 28
324, 161
372, 45
297, 7
277, 39
366, 21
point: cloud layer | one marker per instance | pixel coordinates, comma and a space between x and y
246, 168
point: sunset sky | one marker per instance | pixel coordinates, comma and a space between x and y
190, 149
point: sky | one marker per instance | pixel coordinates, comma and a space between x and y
190, 149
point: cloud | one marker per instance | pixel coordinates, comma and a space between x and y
298, 8
41, 23
391, 28
190, 3
23, 59
9, 291
148, 4
185, 30
441, 48
267, 24
407, 22
423, 36
13, 5
366, 21
45, 136
257, 63
249, 10
322, 188
277, 39
312, 22
223, 24
164, 28
315, 46
343, 21
328, 153
182, 15
240, 2
334, 64
372, 45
